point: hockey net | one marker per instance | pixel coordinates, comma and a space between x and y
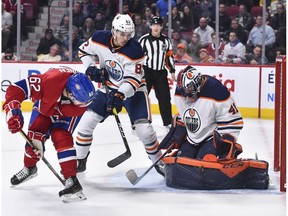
280, 121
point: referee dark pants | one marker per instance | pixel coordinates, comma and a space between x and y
158, 80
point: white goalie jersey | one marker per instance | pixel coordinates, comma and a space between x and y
124, 64
215, 109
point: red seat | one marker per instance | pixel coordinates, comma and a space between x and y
232, 11
256, 11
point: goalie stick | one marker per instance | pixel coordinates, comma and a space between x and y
43, 158
127, 154
132, 176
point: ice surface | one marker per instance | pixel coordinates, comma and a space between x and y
109, 192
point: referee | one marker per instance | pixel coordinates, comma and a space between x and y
158, 54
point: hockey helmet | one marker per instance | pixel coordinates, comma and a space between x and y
190, 79
123, 23
156, 20
81, 88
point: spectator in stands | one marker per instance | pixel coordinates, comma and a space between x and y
99, 21
140, 27
224, 21
78, 15
46, 42
162, 7
205, 57
279, 18
245, 19
280, 52
109, 9
177, 39
11, 7
273, 6
234, 51
136, 6
207, 10
176, 20
8, 55
7, 29
88, 29
76, 42
194, 47
126, 9
88, 8
256, 37
147, 15
281, 38
52, 56
194, 6
211, 48
63, 30
255, 58
236, 27
181, 56
204, 30
187, 22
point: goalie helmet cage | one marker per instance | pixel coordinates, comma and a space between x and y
280, 121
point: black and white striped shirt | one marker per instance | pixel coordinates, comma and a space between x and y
158, 52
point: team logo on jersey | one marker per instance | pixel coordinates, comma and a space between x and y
114, 69
192, 120
164, 47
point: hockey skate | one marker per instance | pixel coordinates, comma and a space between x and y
81, 164
72, 191
24, 175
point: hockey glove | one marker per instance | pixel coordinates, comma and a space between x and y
97, 75
38, 140
14, 117
176, 135
226, 146
115, 100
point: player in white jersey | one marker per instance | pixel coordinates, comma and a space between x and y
205, 106
121, 67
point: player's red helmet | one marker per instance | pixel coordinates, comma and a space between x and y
81, 88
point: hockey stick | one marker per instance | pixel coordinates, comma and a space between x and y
127, 154
132, 176
43, 158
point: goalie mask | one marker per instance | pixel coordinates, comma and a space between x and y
81, 88
123, 23
190, 80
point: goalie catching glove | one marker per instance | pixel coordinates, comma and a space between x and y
176, 135
38, 140
97, 75
14, 117
115, 100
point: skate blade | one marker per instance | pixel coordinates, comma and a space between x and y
78, 196
27, 179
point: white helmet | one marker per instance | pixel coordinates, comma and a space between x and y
190, 79
123, 23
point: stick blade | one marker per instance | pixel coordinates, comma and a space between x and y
132, 177
118, 160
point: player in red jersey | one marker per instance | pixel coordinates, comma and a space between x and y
60, 97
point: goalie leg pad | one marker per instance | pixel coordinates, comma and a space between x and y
185, 173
